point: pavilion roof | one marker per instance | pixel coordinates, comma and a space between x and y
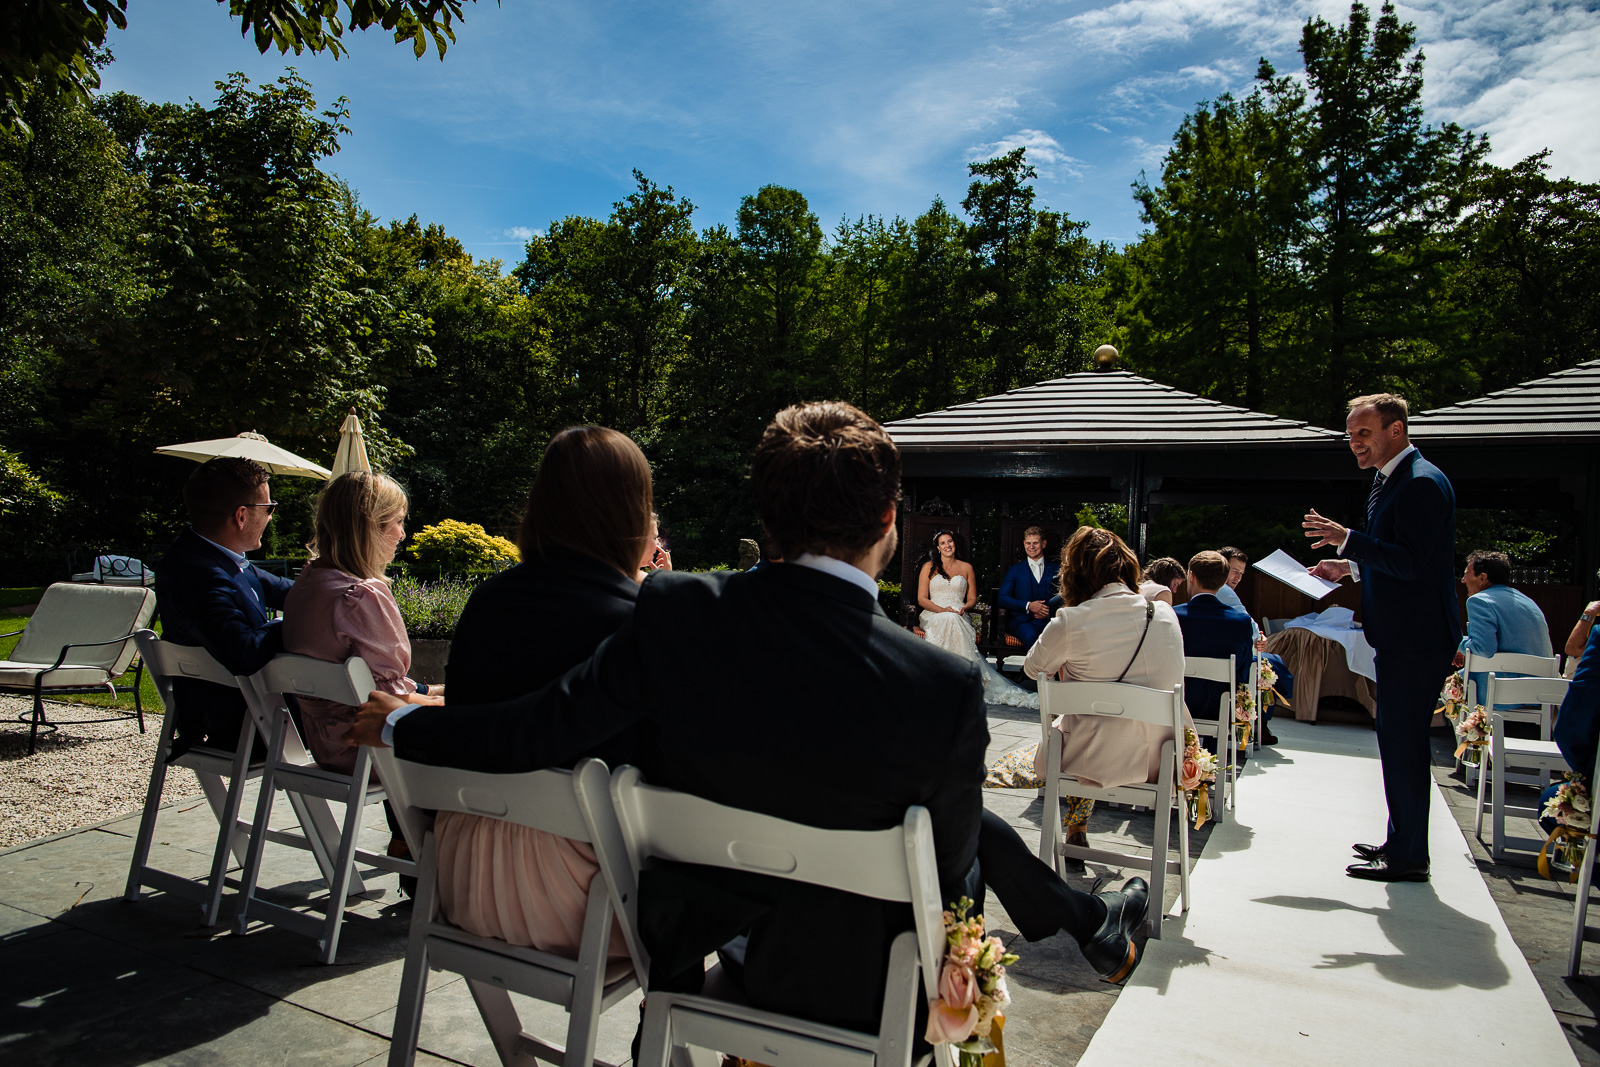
1098, 410
1564, 405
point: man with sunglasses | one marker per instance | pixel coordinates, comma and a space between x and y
211, 596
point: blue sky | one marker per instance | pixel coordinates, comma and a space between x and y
542, 109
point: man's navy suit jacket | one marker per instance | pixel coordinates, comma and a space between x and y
207, 601
1018, 590
1577, 730
1407, 558
1213, 630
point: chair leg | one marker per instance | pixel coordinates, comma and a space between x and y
354, 805
258, 828
1050, 831
500, 1018
655, 1043
1158, 862
1477, 821
1496, 773
408, 1009
38, 716
228, 826
588, 985
138, 700
1183, 854
147, 819
1580, 910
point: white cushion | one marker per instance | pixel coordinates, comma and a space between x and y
21, 675
79, 614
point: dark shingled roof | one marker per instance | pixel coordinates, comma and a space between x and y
1098, 410
1566, 404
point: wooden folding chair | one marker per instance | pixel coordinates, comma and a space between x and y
290, 768
574, 804
895, 864
1130, 703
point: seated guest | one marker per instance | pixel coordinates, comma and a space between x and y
586, 529
1106, 632
1499, 618
1212, 629
1162, 579
1577, 729
341, 605
210, 596
1579, 637
1027, 590
826, 480
1238, 562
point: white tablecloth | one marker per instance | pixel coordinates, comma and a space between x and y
1338, 624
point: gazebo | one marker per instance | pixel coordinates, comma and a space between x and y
1109, 436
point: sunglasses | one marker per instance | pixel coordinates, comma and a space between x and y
271, 506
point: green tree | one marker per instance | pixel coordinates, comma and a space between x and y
1385, 186
1215, 307
934, 336
781, 255
50, 44
611, 296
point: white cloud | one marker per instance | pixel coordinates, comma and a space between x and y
523, 233
1044, 152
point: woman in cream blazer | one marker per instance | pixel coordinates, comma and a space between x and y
1093, 638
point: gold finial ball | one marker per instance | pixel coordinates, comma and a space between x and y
1105, 358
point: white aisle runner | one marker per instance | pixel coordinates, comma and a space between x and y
1282, 958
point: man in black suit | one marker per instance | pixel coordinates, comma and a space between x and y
1405, 562
211, 596
1212, 630
816, 669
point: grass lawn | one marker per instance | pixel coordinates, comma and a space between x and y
147, 688
19, 595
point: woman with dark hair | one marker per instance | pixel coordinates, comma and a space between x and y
587, 534
1162, 579
946, 591
1106, 632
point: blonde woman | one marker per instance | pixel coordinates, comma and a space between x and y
341, 605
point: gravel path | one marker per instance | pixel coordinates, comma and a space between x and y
80, 775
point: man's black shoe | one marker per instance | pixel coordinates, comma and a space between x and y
1369, 853
1268, 737
1381, 870
1110, 949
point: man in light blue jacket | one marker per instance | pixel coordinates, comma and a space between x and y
1499, 619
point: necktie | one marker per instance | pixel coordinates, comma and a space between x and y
1372, 498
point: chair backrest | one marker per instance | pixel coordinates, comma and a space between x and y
349, 682
1524, 690
574, 804
1272, 626
1210, 668
895, 864
1119, 700
71, 614
166, 661
1514, 663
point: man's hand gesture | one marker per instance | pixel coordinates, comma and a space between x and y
370, 717
1324, 531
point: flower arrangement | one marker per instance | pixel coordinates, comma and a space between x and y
1453, 695
1571, 807
1472, 730
1244, 708
1199, 769
972, 987
1267, 677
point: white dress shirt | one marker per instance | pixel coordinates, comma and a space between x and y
1037, 567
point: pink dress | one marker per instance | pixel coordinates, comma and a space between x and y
331, 615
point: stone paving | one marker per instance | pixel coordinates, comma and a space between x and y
88, 978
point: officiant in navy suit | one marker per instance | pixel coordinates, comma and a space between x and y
211, 596
1028, 592
1405, 563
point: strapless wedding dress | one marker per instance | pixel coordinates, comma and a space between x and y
954, 633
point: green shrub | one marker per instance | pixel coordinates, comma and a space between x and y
30, 511
454, 547
431, 610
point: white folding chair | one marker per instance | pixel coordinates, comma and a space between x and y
1217, 669
290, 768
896, 864
575, 804
1130, 703
222, 778
1580, 907
1504, 752
1504, 663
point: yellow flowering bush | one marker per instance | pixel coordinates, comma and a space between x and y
454, 547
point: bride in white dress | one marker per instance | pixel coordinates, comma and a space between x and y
946, 591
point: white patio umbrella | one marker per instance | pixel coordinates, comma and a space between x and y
352, 454
249, 445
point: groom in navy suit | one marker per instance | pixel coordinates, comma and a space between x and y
1405, 562
1212, 630
211, 596
1028, 592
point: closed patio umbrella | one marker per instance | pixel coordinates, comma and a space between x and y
352, 454
249, 445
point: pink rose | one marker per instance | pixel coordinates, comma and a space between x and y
958, 986
1190, 776
950, 1024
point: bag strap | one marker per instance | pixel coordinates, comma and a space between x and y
1149, 613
